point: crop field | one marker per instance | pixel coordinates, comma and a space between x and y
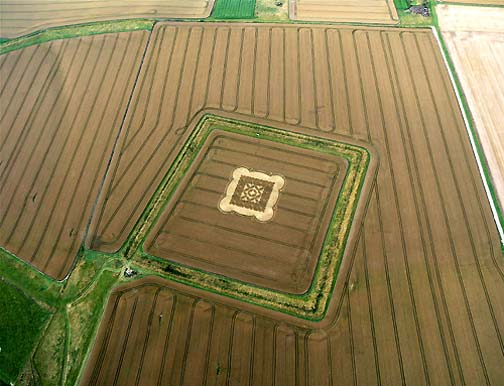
418, 298
280, 253
234, 9
21, 17
365, 11
61, 106
315, 184
476, 46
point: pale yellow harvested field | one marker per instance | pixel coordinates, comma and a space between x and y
20, 17
471, 19
476, 45
365, 11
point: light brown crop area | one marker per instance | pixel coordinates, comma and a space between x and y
21, 17
417, 301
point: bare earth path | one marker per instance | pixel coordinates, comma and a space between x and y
475, 39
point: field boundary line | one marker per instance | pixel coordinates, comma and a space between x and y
76, 30
116, 140
472, 139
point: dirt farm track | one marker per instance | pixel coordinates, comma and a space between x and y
418, 301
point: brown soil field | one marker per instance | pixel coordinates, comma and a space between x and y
21, 17
279, 254
418, 301
61, 105
366, 11
476, 47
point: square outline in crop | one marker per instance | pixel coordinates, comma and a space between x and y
311, 305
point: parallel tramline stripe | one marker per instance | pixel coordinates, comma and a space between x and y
24, 73
39, 137
428, 270
36, 107
212, 207
154, 152
465, 215
153, 127
63, 180
77, 185
400, 220
110, 134
23, 103
450, 235
424, 205
103, 190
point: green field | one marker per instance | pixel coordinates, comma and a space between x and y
22, 321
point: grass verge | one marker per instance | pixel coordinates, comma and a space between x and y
34, 284
84, 315
21, 321
76, 30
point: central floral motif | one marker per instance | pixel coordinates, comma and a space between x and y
252, 194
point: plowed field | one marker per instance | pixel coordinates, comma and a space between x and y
420, 299
21, 17
61, 106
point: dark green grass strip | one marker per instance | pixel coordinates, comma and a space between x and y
234, 9
21, 321
402, 5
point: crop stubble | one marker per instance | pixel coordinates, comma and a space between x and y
418, 302
62, 104
476, 43
21, 17
365, 11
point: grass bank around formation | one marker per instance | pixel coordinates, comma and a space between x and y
311, 305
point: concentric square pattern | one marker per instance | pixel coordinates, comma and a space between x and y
262, 209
